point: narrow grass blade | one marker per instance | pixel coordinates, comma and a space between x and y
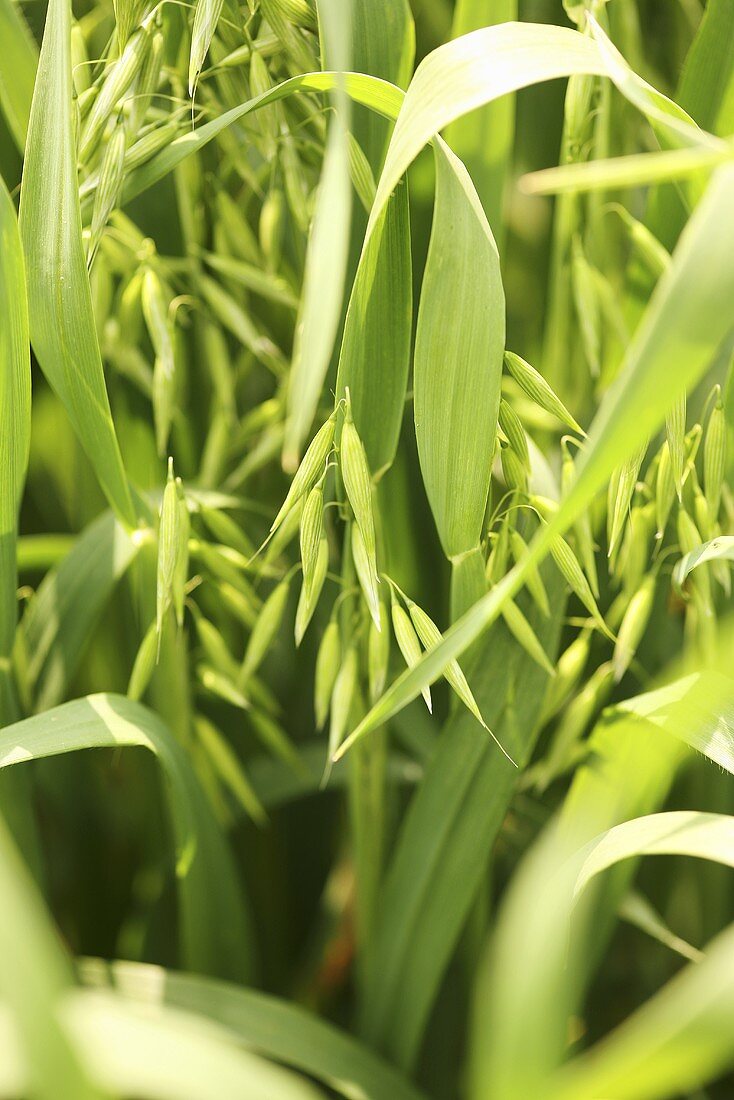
441, 852
60, 618
378, 95
326, 258
457, 78
681, 832
59, 299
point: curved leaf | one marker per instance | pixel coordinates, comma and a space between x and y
272, 1027
207, 878
17, 70
718, 549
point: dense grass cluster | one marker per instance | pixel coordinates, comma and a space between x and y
376, 478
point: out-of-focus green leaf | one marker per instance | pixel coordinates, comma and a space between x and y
33, 976
272, 1027
214, 931
677, 1041
15, 424
718, 549
60, 617
483, 140
17, 70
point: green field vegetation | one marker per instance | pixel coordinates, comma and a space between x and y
366, 451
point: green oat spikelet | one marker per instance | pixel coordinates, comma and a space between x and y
342, 698
311, 532
378, 655
633, 626
408, 644
512, 427
328, 662
430, 635
357, 482
533, 581
265, 629
310, 469
170, 548
366, 574
537, 389
310, 592
714, 457
574, 576
524, 634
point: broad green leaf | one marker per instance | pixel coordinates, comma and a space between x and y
482, 66
718, 549
706, 91
207, 880
706, 88
327, 253
686, 321
447, 836
483, 140
272, 1027
34, 974
375, 351
459, 347
17, 70
61, 616
15, 423
679, 1040
59, 298
383, 45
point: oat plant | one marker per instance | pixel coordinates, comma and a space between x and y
366, 441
